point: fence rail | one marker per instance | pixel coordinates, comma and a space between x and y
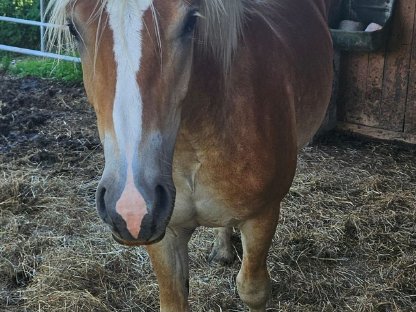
25, 22
42, 25
39, 53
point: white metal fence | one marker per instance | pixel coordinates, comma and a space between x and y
42, 25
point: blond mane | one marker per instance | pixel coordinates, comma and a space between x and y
219, 30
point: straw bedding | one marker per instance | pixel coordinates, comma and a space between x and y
346, 240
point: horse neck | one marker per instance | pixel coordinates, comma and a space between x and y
205, 106
218, 103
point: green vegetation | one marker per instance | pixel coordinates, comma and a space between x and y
42, 68
20, 35
5, 61
29, 37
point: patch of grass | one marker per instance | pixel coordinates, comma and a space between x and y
5, 61
44, 68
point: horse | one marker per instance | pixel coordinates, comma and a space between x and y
202, 107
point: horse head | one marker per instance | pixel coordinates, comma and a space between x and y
136, 58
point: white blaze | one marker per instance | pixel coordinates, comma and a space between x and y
126, 22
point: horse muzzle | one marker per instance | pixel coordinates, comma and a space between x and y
136, 215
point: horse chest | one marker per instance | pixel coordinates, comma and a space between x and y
200, 204
211, 194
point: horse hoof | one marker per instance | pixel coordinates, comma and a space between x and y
221, 256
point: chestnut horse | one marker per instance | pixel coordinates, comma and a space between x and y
202, 106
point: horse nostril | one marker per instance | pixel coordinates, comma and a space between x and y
161, 197
163, 202
101, 201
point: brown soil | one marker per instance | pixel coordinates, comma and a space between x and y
346, 240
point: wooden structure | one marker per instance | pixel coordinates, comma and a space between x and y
377, 91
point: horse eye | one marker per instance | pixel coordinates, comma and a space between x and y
190, 22
72, 29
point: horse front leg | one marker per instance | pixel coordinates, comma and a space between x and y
253, 281
170, 262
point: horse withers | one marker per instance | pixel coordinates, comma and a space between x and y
202, 106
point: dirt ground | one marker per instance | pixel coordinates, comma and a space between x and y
346, 240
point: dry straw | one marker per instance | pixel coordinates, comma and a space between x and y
346, 240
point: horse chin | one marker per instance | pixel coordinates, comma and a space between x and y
133, 243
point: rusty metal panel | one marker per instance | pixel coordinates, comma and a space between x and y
396, 72
353, 81
410, 118
379, 89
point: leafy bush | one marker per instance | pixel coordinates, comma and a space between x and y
29, 37
24, 36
